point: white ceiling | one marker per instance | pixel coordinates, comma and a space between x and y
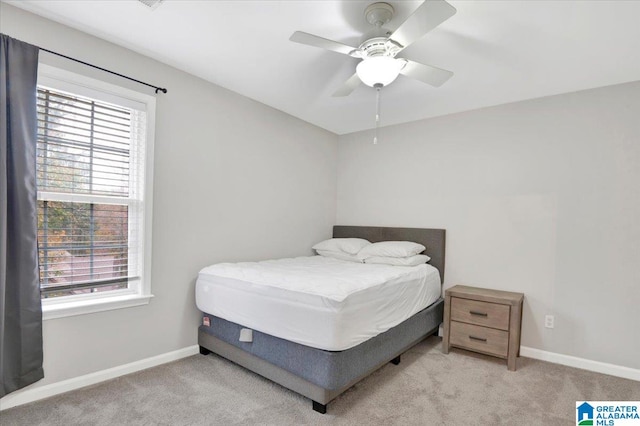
500, 51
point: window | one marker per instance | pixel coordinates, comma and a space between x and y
93, 177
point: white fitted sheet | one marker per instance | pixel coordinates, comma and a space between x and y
317, 301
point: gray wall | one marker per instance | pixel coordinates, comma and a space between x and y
234, 180
541, 197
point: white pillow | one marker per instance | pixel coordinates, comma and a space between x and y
391, 249
339, 255
346, 245
416, 260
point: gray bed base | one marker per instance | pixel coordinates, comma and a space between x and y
290, 368
319, 375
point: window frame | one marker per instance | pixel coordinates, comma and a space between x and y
138, 292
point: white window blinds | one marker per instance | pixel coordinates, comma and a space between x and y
90, 171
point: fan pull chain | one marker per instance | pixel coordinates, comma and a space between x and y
375, 137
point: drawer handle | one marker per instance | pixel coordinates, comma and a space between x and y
480, 339
480, 314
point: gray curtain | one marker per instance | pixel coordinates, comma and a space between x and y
20, 307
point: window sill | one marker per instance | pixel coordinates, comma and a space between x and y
88, 306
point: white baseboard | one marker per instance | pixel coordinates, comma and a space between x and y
585, 364
28, 395
34, 394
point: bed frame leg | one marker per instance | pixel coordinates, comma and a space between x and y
204, 351
396, 360
320, 408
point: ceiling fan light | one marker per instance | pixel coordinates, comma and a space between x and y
379, 70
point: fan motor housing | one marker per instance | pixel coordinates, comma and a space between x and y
378, 46
378, 43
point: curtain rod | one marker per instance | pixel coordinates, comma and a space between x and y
158, 89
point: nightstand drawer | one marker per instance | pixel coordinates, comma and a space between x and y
481, 339
481, 313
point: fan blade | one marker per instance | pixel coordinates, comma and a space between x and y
312, 40
348, 86
426, 17
426, 73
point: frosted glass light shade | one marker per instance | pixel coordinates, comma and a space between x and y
379, 70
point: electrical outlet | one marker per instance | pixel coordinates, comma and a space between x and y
548, 321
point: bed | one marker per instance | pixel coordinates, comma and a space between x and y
322, 358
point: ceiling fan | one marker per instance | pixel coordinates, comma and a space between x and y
379, 65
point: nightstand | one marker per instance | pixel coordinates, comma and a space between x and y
483, 320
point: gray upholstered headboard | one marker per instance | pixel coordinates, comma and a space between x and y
432, 239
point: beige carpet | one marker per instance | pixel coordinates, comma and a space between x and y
427, 388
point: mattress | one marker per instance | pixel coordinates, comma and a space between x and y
316, 301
